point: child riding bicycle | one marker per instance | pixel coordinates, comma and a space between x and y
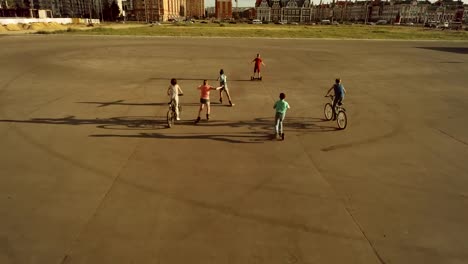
174, 91
340, 92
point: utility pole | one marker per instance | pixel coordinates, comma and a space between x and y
367, 13
89, 8
146, 12
159, 11
100, 8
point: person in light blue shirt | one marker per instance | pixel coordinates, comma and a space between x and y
223, 82
281, 106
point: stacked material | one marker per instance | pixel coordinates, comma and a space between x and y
37, 26
13, 27
47, 26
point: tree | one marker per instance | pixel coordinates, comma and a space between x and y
114, 11
29, 4
106, 11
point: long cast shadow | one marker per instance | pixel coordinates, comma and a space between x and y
122, 123
180, 79
292, 124
229, 138
121, 102
196, 79
459, 50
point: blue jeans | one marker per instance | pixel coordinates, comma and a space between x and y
279, 117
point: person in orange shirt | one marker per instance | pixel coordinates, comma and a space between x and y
205, 98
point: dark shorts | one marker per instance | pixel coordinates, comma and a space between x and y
204, 101
257, 68
337, 100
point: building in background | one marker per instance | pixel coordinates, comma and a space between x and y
63, 8
223, 9
393, 11
157, 10
244, 13
264, 11
195, 9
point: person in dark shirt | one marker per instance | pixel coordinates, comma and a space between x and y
339, 91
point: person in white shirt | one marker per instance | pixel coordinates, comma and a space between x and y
174, 91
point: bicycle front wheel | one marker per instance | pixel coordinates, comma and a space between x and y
170, 119
328, 111
341, 120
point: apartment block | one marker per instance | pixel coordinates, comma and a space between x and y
223, 9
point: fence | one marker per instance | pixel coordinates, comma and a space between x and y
6, 21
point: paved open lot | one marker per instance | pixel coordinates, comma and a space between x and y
90, 174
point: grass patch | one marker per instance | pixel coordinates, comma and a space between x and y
44, 32
282, 31
48, 32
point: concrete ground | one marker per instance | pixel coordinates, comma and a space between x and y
90, 174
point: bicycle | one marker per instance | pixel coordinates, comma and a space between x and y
340, 111
171, 113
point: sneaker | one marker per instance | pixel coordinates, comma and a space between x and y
197, 120
207, 117
282, 136
231, 104
178, 118
220, 100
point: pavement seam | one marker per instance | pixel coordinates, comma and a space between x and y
374, 250
67, 256
348, 211
452, 137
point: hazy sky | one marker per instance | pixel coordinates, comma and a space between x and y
252, 2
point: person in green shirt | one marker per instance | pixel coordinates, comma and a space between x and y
281, 106
223, 83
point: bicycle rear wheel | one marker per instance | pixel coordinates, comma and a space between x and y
341, 120
170, 118
328, 111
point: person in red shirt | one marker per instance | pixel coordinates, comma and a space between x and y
258, 62
205, 98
